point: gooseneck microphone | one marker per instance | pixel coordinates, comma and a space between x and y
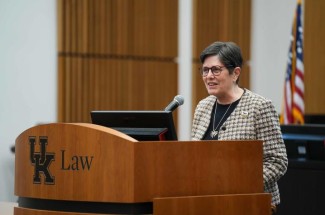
178, 101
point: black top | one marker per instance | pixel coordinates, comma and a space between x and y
220, 114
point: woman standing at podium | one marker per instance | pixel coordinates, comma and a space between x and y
234, 113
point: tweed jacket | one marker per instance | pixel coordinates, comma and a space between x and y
254, 118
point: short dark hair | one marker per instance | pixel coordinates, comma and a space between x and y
229, 54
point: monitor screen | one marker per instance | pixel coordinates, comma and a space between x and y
304, 141
141, 125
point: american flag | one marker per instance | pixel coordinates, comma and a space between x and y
294, 107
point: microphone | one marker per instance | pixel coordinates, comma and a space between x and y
178, 101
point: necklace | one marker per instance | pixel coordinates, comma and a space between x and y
214, 131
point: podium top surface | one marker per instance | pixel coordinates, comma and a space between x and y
86, 126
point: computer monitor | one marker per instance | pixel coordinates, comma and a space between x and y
141, 125
304, 141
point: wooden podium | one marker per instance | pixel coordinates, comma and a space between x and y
79, 168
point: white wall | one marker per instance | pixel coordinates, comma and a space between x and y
28, 70
184, 67
271, 30
27, 76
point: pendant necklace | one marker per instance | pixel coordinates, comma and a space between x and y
214, 131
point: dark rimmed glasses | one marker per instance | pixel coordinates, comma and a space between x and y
216, 70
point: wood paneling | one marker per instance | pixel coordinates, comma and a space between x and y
115, 55
314, 55
123, 27
220, 20
115, 84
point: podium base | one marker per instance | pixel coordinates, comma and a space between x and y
76, 207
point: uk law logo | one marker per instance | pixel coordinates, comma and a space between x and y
41, 161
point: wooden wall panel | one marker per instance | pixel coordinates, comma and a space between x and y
115, 84
115, 55
314, 55
124, 27
220, 20
160, 27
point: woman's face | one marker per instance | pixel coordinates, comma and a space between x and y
218, 85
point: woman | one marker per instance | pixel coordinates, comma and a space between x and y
234, 113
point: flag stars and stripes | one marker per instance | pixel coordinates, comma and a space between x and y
294, 107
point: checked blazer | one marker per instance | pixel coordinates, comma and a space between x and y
254, 118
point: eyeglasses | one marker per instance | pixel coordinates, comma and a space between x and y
216, 70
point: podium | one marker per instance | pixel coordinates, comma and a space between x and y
80, 168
